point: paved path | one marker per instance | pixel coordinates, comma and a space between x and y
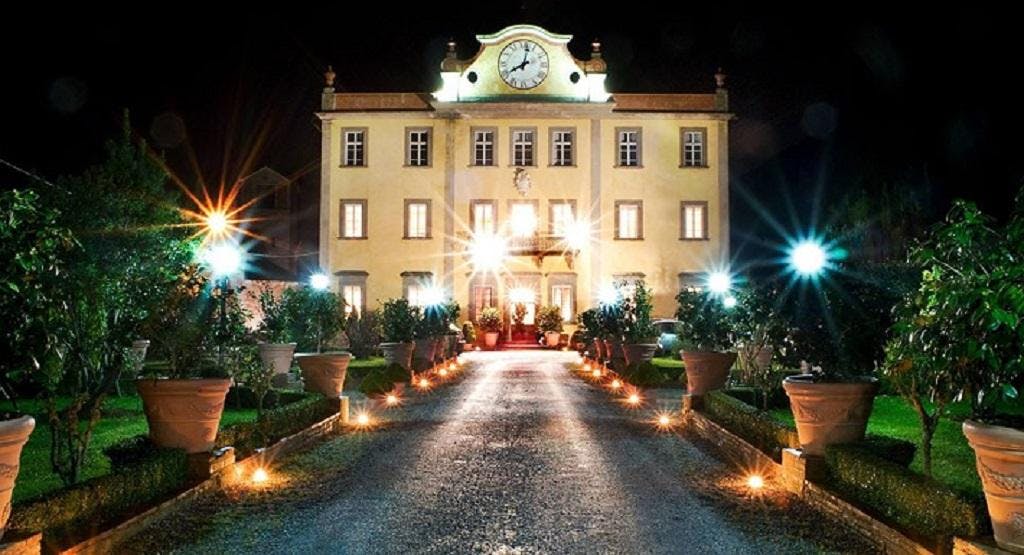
519, 457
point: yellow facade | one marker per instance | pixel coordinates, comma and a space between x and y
594, 183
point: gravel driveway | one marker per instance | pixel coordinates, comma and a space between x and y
520, 456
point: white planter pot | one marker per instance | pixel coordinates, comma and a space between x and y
277, 356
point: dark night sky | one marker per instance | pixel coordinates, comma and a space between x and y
822, 102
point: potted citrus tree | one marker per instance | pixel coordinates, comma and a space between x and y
468, 335
591, 322
641, 340
317, 321
610, 318
760, 329
959, 337
549, 320
428, 334
398, 325
705, 330
276, 346
490, 322
184, 398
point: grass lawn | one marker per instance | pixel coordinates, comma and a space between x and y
367, 363
666, 363
123, 418
952, 458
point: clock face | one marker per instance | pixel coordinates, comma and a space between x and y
523, 64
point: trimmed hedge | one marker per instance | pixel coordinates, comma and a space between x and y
142, 475
644, 374
274, 424
242, 397
756, 427
903, 498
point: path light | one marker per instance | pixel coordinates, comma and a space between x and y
443, 372
755, 481
391, 399
424, 383
633, 399
808, 258
451, 366
319, 281
616, 384
363, 420
586, 367
260, 476
719, 282
663, 421
596, 373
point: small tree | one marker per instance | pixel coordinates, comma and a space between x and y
398, 320
549, 318
759, 326
959, 336
276, 325
490, 320
364, 333
317, 317
636, 315
610, 320
705, 324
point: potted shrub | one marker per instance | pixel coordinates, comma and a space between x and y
760, 328
14, 432
364, 332
959, 336
590, 319
276, 346
490, 322
427, 334
398, 324
184, 400
451, 329
705, 330
468, 335
641, 340
318, 327
611, 324
549, 320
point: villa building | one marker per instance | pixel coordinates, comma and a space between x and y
522, 180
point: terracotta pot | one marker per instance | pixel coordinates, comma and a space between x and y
639, 352
277, 356
13, 435
598, 349
706, 370
829, 413
184, 414
491, 339
467, 347
1000, 456
553, 338
324, 373
398, 353
439, 348
424, 349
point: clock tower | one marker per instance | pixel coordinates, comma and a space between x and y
526, 61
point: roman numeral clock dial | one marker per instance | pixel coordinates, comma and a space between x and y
523, 64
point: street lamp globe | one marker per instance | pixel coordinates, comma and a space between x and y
224, 259
217, 222
719, 282
319, 281
808, 258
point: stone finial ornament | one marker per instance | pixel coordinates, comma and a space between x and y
595, 49
720, 78
451, 48
329, 76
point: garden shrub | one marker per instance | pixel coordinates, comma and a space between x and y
396, 373
242, 397
758, 428
275, 424
903, 498
376, 383
364, 333
142, 476
897, 451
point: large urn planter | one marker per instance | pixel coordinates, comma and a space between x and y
1000, 461
277, 356
639, 352
183, 414
829, 413
552, 338
424, 349
398, 353
598, 349
139, 349
491, 339
324, 373
706, 370
613, 350
13, 436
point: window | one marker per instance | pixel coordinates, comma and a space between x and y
522, 147
561, 296
483, 297
563, 147
353, 291
415, 286
353, 147
417, 147
691, 281
694, 216
629, 146
417, 219
629, 219
353, 296
693, 148
562, 215
483, 217
484, 146
523, 219
353, 219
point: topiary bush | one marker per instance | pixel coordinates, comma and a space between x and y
756, 427
645, 374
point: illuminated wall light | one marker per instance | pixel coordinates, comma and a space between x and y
577, 235
523, 220
487, 252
